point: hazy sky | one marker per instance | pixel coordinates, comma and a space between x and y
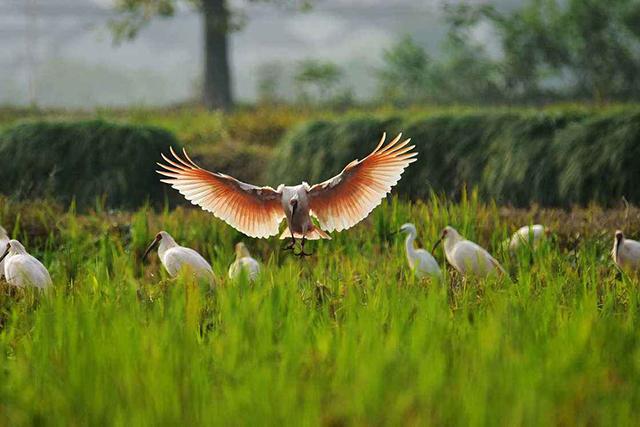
61, 53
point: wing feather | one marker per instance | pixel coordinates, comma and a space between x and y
346, 199
254, 211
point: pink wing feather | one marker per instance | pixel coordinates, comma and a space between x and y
254, 211
346, 199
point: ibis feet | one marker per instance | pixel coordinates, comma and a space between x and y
289, 246
302, 254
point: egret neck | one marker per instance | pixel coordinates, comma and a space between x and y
242, 251
450, 241
166, 243
411, 251
13, 248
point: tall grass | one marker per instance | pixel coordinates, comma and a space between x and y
347, 336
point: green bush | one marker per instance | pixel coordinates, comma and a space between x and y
601, 159
551, 158
522, 164
84, 160
452, 151
318, 150
247, 162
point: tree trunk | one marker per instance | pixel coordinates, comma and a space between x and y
217, 77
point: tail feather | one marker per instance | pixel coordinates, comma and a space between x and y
321, 233
314, 234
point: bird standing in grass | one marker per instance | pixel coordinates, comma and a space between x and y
244, 262
467, 257
528, 236
4, 241
175, 258
22, 269
421, 262
626, 252
338, 203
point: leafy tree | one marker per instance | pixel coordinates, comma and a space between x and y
589, 44
317, 79
604, 58
269, 80
403, 79
465, 75
218, 21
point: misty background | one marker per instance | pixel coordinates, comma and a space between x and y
60, 53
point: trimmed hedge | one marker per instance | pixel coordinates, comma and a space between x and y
84, 160
247, 162
520, 158
600, 159
322, 148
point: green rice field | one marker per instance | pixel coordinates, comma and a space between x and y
345, 337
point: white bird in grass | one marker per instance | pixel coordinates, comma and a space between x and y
244, 262
528, 236
626, 252
338, 203
421, 262
466, 256
4, 241
175, 257
22, 269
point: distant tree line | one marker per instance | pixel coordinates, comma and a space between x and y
548, 50
573, 49
312, 82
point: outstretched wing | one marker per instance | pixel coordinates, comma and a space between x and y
346, 199
254, 211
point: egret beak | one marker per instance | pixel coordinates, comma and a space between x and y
4, 255
150, 248
436, 245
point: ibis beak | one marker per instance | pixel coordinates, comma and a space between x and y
436, 245
150, 248
4, 255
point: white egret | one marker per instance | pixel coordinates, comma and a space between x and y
466, 256
626, 252
338, 203
244, 262
4, 241
421, 262
22, 269
527, 236
174, 258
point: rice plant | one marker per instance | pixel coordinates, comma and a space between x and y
346, 337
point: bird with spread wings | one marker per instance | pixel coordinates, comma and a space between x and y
338, 203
